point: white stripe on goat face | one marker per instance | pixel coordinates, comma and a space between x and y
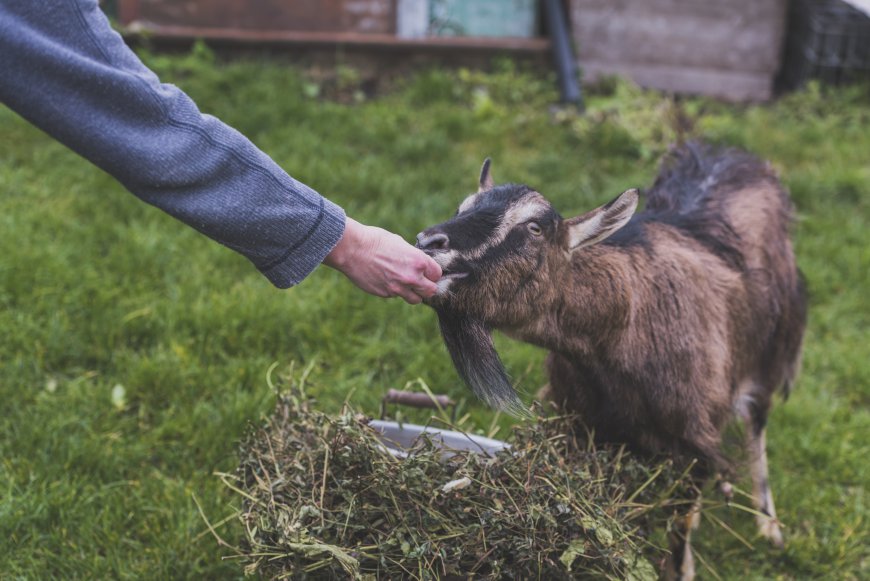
521, 211
467, 203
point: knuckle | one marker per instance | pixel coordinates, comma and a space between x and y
409, 278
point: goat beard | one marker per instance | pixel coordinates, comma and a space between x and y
469, 342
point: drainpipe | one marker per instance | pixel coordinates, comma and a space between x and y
566, 67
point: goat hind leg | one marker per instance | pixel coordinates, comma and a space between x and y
752, 407
680, 564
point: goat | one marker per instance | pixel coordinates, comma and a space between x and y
661, 326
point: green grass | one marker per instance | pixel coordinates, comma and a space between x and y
98, 290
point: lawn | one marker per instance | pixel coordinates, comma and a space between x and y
134, 352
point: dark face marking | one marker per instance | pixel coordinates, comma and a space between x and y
470, 230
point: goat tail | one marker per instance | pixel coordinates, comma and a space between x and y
691, 172
469, 342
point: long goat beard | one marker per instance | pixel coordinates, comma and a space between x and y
469, 342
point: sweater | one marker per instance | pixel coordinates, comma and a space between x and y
65, 70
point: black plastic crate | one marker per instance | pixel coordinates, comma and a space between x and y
828, 40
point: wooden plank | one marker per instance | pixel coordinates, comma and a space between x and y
737, 35
739, 86
294, 37
363, 16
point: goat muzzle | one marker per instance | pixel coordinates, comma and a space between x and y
430, 242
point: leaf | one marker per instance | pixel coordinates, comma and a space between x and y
309, 550
640, 570
604, 535
119, 397
575, 549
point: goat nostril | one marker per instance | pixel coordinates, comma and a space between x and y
435, 241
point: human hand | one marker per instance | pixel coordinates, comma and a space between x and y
382, 264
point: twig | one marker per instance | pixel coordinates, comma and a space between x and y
217, 537
323, 484
218, 525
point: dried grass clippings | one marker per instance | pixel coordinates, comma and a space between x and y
323, 499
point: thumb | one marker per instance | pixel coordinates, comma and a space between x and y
431, 269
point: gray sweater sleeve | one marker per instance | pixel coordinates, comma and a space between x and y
66, 71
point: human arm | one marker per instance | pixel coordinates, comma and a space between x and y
67, 72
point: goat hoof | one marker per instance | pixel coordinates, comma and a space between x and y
769, 528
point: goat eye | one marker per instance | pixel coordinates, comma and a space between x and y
534, 228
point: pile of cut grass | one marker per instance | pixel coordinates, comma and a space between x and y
322, 498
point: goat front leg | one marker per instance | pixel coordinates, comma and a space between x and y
680, 564
768, 525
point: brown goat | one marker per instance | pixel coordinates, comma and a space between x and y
661, 326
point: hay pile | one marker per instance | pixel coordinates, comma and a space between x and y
322, 499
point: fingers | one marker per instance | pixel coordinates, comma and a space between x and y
419, 278
425, 287
431, 269
414, 293
407, 292
411, 298
429, 272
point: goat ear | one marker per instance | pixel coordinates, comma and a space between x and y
600, 223
485, 176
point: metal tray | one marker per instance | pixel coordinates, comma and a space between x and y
399, 438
